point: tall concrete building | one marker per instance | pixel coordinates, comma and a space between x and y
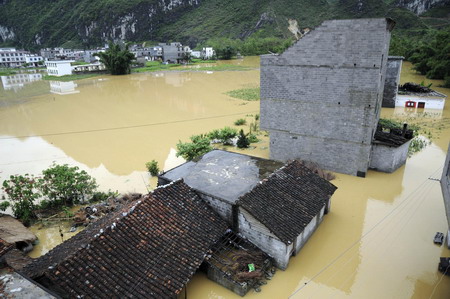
445, 185
321, 98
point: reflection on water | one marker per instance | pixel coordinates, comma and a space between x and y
63, 88
16, 82
375, 243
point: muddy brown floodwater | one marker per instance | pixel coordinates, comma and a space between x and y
377, 242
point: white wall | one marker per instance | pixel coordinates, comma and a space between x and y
430, 102
59, 68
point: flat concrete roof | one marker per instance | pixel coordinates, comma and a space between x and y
223, 174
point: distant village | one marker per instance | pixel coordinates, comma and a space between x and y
58, 60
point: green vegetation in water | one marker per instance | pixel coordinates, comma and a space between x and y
225, 67
154, 66
242, 141
152, 167
246, 94
198, 60
201, 144
7, 72
240, 122
60, 186
418, 143
70, 77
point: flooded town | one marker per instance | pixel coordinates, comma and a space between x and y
324, 204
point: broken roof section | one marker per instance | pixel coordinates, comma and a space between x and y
288, 200
418, 90
223, 174
152, 250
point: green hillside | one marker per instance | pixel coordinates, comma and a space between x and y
34, 24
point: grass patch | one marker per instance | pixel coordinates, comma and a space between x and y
198, 60
79, 63
154, 66
246, 94
69, 77
224, 67
7, 72
240, 122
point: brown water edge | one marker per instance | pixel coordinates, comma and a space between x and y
375, 243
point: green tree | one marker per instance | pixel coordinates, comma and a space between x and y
152, 167
242, 141
117, 59
198, 146
22, 191
66, 185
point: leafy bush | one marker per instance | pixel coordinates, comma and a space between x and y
22, 191
252, 138
214, 134
226, 134
102, 196
242, 141
199, 145
65, 185
152, 167
240, 122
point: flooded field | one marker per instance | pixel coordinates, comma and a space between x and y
377, 242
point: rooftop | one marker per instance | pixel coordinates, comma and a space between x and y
288, 200
418, 90
223, 174
150, 250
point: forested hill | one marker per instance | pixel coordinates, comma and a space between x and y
32, 24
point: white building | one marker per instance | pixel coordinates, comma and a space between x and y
10, 57
33, 59
416, 100
196, 54
207, 53
59, 67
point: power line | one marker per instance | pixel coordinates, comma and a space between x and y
126, 127
364, 235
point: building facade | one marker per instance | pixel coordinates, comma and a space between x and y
394, 68
59, 68
10, 57
321, 98
445, 186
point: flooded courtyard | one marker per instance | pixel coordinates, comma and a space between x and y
377, 242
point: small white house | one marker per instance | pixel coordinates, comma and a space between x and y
414, 100
196, 54
207, 53
59, 67
33, 60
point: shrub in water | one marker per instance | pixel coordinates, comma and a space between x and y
198, 146
242, 142
240, 122
152, 167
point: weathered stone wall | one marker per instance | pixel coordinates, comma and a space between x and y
264, 240
222, 207
321, 98
387, 158
394, 67
217, 276
445, 186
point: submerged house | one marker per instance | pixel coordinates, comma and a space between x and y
321, 98
149, 249
275, 207
413, 96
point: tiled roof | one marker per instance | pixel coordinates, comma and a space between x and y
288, 200
153, 251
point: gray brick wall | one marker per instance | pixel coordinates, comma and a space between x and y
388, 158
321, 98
394, 66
